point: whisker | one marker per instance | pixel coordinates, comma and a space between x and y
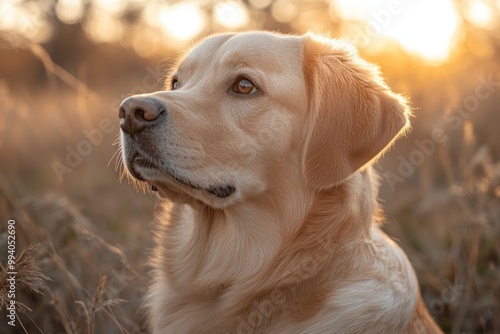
118, 140
114, 154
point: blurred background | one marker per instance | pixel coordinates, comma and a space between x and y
66, 65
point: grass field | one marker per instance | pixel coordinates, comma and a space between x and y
83, 238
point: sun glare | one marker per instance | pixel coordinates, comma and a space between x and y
425, 27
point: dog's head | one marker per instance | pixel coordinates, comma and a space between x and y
241, 108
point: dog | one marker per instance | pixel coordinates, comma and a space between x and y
261, 144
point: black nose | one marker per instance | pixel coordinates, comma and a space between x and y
139, 112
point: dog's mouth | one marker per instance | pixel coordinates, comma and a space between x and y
138, 161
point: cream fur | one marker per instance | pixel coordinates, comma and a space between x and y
296, 248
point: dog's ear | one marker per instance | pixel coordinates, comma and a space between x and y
353, 115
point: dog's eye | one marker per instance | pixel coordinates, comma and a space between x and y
175, 84
244, 86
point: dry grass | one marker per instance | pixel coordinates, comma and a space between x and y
450, 233
28, 277
87, 274
78, 262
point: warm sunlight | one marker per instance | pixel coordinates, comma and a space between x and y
480, 13
146, 142
231, 14
70, 11
284, 10
429, 29
437, 23
424, 27
24, 21
261, 4
103, 27
183, 21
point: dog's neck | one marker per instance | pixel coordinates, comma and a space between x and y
208, 247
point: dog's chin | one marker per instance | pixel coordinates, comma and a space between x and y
215, 197
167, 184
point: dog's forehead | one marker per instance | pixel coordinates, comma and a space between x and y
270, 50
262, 49
263, 43
201, 53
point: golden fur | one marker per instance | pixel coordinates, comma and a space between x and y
271, 221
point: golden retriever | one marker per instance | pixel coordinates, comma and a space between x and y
261, 143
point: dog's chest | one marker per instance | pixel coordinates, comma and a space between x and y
224, 309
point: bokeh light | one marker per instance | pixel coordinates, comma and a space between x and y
231, 14
357, 10
426, 28
69, 11
112, 7
25, 21
9, 15
146, 43
182, 21
103, 27
284, 10
481, 14
260, 4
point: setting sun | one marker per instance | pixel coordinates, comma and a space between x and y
426, 27
437, 23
